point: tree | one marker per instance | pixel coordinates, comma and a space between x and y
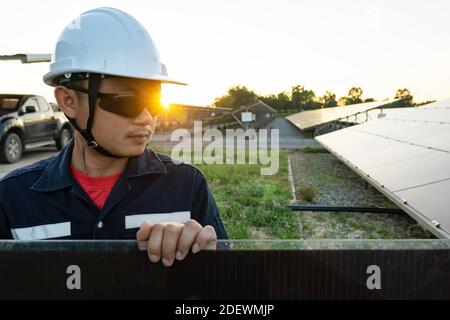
278, 102
301, 98
235, 98
328, 100
354, 95
343, 101
271, 100
405, 97
312, 105
283, 100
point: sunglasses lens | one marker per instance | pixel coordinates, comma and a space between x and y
130, 106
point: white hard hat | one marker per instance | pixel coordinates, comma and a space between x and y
110, 42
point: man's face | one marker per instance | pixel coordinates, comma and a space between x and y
118, 134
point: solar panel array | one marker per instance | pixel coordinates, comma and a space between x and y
239, 270
313, 118
407, 157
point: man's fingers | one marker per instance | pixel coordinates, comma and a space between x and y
154, 242
206, 239
144, 231
172, 232
173, 240
188, 235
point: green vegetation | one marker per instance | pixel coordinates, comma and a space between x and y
298, 98
249, 202
307, 193
252, 205
351, 225
314, 150
283, 114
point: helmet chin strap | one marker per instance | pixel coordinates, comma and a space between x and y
94, 84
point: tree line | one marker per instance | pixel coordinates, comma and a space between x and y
299, 98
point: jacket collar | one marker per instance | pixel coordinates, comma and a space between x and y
57, 174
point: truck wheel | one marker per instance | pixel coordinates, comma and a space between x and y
63, 138
11, 148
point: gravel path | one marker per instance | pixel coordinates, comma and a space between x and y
335, 184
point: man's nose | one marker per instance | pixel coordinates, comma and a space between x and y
145, 118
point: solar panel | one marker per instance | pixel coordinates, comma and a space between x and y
405, 155
313, 118
438, 104
240, 270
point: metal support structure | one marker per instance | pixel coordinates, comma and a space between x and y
344, 209
28, 58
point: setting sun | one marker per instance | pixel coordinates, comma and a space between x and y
165, 103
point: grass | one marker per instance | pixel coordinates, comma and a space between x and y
314, 150
285, 114
249, 202
307, 193
350, 225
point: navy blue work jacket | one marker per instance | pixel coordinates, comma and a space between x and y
43, 201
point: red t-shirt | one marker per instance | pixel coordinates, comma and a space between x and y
98, 188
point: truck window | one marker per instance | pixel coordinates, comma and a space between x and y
55, 107
32, 102
43, 104
8, 104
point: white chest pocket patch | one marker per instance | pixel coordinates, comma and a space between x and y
136, 220
45, 231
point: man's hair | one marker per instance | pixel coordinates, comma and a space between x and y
83, 84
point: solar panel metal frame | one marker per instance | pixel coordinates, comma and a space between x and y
266, 269
351, 111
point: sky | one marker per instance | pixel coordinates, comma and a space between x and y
268, 46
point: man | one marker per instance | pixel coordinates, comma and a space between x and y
106, 184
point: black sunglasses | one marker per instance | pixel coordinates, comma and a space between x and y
129, 106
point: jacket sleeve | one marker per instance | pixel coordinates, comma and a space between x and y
204, 208
5, 231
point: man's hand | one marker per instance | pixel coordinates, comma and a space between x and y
171, 241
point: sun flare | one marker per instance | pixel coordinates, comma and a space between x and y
165, 103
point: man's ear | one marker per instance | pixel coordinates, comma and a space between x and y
67, 100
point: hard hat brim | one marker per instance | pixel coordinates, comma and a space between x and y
49, 78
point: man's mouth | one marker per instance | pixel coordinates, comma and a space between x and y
141, 135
